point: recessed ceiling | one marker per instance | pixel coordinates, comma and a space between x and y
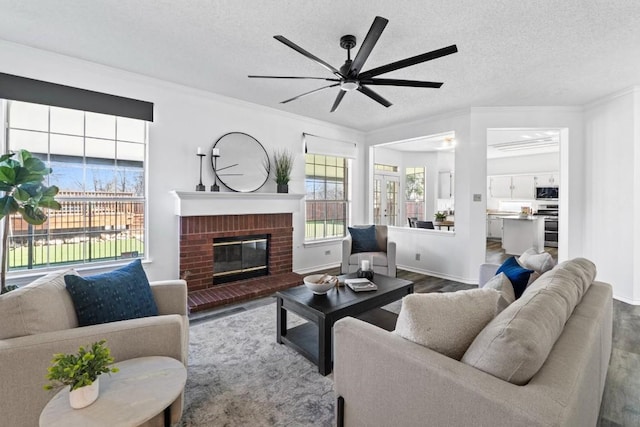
539, 53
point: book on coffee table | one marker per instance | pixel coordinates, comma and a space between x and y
360, 285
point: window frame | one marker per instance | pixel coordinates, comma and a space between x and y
346, 201
19, 274
424, 187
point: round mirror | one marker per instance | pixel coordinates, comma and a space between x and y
240, 162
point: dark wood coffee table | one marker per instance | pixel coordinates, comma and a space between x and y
314, 338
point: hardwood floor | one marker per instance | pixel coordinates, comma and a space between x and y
621, 399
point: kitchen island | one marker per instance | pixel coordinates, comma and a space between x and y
520, 233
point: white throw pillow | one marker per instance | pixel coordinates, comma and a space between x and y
447, 322
502, 284
538, 262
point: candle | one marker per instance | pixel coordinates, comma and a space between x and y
215, 152
364, 265
199, 150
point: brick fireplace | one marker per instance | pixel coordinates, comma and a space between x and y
207, 216
198, 234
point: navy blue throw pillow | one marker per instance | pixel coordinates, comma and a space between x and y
363, 239
121, 294
518, 275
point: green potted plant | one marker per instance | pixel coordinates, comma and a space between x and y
80, 372
440, 216
283, 165
21, 179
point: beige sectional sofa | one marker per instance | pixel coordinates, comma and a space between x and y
382, 379
39, 320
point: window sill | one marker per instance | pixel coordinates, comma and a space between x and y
325, 242
24, 277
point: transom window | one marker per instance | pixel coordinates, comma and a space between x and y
326, 197
98, 163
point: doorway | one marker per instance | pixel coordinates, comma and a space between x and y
386, 191
523, 178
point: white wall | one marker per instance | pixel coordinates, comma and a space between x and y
185, 119
612, 204
450, 255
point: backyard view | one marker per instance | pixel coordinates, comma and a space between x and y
98, 165
326, 197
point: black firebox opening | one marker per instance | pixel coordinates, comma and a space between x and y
241, 257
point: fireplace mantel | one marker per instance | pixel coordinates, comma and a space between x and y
201, 203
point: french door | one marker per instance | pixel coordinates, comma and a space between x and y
386, 191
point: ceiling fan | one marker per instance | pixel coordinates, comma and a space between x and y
349, 77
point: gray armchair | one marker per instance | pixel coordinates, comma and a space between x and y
382, 261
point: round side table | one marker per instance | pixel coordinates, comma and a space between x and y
143, 388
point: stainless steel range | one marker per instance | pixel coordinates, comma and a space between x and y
550, 214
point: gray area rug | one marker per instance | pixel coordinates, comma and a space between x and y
239, 376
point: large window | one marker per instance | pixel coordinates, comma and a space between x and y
98, 164
414, 192
327, 198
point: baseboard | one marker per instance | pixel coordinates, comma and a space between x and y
626, 300
468, 281
317, 268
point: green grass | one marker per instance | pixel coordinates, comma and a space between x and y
73, 252
320, 230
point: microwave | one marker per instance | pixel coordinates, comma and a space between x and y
546, 193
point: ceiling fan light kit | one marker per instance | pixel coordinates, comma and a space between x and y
349, 77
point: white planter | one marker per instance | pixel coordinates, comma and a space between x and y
84, 396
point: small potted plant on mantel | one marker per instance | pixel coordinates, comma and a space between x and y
283, 165
80, 372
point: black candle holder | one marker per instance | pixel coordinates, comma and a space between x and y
364, 274
215, 186
200, 187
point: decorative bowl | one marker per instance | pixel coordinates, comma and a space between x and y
320, 288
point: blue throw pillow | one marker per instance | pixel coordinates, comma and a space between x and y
363, 239
121, 294
518, 275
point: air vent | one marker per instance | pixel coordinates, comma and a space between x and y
526, 144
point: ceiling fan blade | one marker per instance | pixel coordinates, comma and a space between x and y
409, 61
309, 93
293, 77
312, 57
396, 82
371, 94
338, 100
367, 45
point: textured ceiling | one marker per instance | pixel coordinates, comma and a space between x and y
511, 53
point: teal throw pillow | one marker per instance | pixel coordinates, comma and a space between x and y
121, 294
363, 239
518, 275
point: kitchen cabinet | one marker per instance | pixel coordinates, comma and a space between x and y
512, 187
547, 179
445, 185
523, 187
494, 227
500, 187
